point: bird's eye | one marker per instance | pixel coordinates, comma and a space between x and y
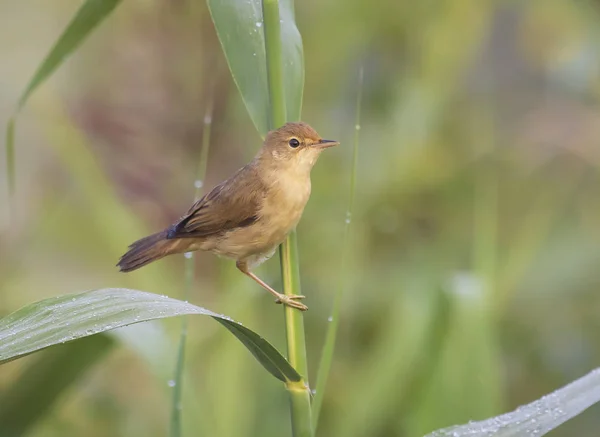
294, 143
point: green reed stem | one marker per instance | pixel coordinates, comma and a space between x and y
10, 167
189, 274
288, 255
330, 336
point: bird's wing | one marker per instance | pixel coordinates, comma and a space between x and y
234, 203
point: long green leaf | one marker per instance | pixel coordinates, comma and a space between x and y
36, 389
89, 15
538, 417
240, 28
66, 318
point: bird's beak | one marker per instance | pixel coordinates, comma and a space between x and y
323, 144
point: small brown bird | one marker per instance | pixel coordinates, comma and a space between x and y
248, 215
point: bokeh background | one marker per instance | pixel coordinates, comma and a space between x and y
472, 280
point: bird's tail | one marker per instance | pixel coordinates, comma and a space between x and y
149, 249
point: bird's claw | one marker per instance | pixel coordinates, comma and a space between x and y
292, 301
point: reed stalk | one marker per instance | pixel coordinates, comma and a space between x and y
288, 252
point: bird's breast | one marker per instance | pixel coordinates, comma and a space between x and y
280, 211
285, 203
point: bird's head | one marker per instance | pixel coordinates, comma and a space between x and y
294, 145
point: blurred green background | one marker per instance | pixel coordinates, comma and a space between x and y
473, 268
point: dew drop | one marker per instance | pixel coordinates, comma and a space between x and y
207, 119
357, 126
330, 319
198, 184
188, 255
258, 24
171, 383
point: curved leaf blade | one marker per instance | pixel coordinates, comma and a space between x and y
239, 26
256, 345
89, 15
66, 318
538, 417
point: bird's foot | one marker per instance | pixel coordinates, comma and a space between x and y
292, 301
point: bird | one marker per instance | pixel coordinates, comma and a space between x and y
247, 216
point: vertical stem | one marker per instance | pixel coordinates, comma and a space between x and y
288, 252
288, 256
330, 337
10, 168
177, 382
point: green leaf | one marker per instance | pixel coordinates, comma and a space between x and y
10, 163
66, 318
240, 28
89, 15
538, 417
273, 362
38, 386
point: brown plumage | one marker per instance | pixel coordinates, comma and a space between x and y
248, 215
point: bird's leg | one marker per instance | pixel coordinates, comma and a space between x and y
291, 301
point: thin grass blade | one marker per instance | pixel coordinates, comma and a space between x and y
329, 345
176, 424
10, 165
66, 318
537, 418
89, 15
176, 407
